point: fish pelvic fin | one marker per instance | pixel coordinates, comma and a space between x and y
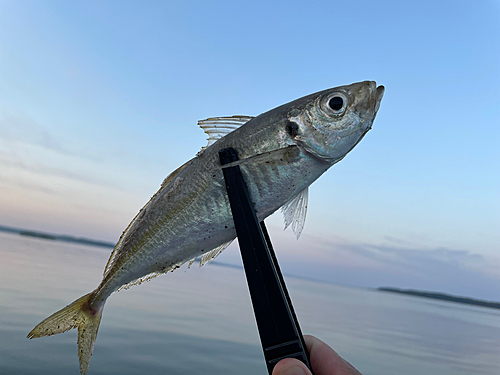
294, 212
76, 315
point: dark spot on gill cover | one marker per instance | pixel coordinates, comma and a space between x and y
292, 129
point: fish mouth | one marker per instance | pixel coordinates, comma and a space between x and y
367, 98
371, 105
380, 95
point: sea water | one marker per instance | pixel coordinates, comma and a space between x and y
200, 321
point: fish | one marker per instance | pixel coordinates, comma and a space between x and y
281, 153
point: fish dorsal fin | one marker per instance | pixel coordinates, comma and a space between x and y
218, 127
294, 212
212, 254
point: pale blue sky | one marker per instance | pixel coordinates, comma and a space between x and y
99, 102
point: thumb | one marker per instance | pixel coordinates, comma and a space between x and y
290, 366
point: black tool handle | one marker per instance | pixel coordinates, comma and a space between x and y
279, 329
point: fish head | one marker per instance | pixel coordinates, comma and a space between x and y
330, 123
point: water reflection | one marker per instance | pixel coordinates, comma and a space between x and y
200, 321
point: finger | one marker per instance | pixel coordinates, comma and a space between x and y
290, 366
325, 360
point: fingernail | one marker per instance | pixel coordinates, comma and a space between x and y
294, 370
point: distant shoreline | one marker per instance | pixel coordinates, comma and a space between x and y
30, 233
442, 297
91, 242
56, 237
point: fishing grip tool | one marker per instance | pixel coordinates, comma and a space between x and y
279, 329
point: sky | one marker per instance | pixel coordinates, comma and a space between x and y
99, 103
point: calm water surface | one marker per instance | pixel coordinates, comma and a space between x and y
200, 321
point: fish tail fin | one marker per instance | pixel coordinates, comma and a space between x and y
79, 315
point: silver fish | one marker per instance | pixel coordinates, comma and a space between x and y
281, 153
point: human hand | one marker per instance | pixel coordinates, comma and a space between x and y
324, 361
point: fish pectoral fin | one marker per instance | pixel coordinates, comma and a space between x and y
294, 212
218, 127
212, 254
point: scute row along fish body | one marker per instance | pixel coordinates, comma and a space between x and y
281, 153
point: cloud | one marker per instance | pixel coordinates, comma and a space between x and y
13, 161
423, 259
26, 130
16, 129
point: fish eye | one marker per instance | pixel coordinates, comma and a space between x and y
336, 103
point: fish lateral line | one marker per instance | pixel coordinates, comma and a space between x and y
284, 155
